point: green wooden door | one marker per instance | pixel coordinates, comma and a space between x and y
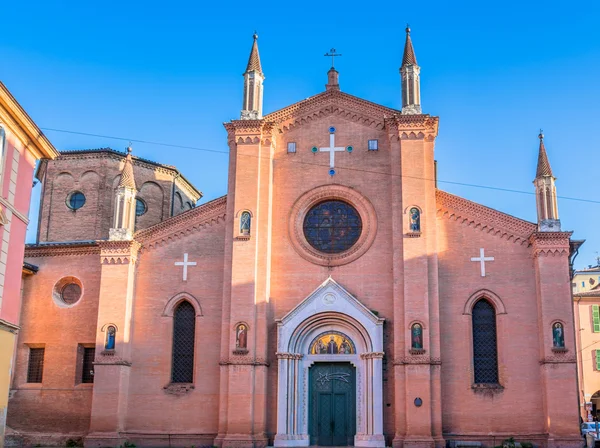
332, 404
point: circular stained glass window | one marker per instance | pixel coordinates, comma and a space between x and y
332, 226
70, 293
140, 207
76, 200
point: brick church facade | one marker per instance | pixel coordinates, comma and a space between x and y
334, 296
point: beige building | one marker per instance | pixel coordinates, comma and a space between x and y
586, 296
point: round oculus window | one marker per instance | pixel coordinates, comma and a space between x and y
76, 200
140, 207
332, 227
70, 293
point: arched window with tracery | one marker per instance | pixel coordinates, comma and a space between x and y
485, 350
184, 335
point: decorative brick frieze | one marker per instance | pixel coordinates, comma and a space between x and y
62, 249
483, 218
281, 355
178, 388
417, 359
118, 252
194, 220
550, 243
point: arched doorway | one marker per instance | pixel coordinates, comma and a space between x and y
330, 351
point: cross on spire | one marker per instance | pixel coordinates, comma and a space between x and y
333, 54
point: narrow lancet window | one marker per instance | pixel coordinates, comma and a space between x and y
485, 351
184, 335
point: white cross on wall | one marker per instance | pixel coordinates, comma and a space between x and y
482, 259
185, 263
332, 149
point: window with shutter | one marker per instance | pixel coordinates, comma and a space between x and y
596, 318
597, 358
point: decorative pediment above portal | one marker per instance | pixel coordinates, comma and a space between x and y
334, 303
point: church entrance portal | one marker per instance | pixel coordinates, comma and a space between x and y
332, 404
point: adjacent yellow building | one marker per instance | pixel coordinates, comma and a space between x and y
586, 297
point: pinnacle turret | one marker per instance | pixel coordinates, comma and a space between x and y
253, 85
411, 79
545, 192
125, 202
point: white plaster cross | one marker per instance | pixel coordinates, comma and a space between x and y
332, 149
185, 263
482, 259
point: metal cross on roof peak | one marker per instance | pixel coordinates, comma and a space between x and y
333, 54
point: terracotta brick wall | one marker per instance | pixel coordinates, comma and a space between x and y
96, 174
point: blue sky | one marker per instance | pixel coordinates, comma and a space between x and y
171, 72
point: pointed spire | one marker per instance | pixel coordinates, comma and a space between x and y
254, 59
411, 79
543, 165
409, 57
253, 86
127, 179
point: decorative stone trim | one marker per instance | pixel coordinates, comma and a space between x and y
560, 349
332, 192
61, 249
111, 360
485, 388
242, 237
559, 359
417, 351
243, 362
178, 388
240, 351
108, 352
550, 243
412, 234
483, 218
417, 359
8, 326
289, 355
372, 355
118, 252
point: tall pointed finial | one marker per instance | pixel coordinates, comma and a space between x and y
411, 79
253, 85
125, 203
127, 179
254, 59
545, 192
409, 57
543, 165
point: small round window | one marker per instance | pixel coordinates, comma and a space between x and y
332, 226
67, 292
76, 200
140, 207
71, 293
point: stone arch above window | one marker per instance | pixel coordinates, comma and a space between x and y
169, 309
493, 298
